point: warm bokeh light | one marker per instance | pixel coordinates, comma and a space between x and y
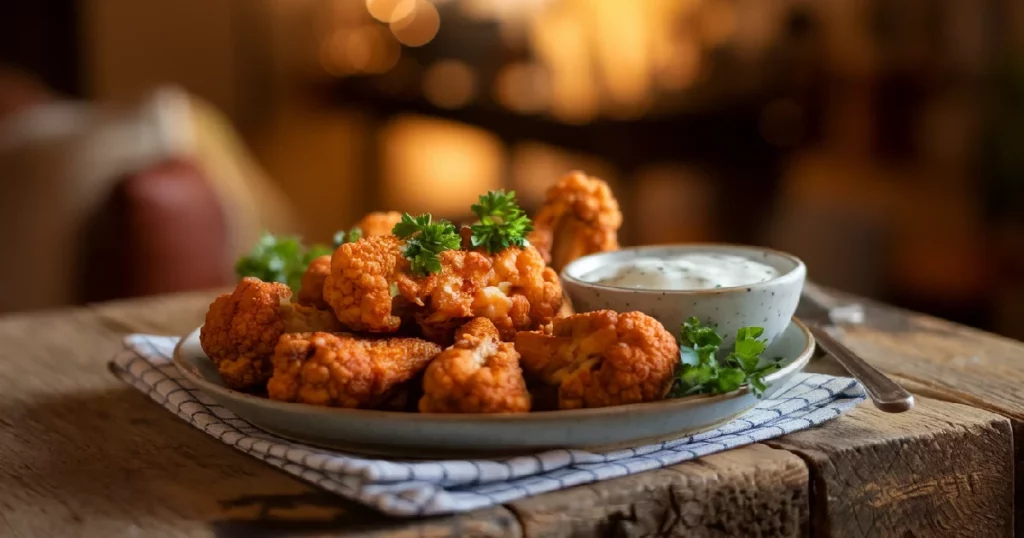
681, 68
364, 49
522, 87
437, 166
535, 167
561, 40
449, 84
418, 26
389, 11
678, 203
717, 21
328, 57
620, 38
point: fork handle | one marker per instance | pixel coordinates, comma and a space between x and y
886, 394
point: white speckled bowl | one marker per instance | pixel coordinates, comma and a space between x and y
768, 304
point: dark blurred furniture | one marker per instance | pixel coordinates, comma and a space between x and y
162, 230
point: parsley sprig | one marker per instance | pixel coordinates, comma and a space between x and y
425, 240
284, 258
279, 259
502, 222
700, 371
351, 236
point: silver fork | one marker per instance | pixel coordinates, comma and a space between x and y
819, 310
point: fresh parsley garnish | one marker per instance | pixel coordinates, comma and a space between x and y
502, 222
279, 259
700, 371
351, 236
425, 240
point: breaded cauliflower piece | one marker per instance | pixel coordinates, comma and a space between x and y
602, 358
362, 280
580, 216
371, 289
378, 223
343, 370
242, 329
311, 292
478, 374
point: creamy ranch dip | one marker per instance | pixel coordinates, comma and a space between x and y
692, 271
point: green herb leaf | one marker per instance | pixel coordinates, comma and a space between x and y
425, 240
341, 236
502, 222
279, 259
700, 371
729, 379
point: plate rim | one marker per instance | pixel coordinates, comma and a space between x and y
673, 404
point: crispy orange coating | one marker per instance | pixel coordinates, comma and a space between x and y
311, 292
580, 216
478, 374
242, 329
359, 286
342, 370
602, 358
378, 223
370, 289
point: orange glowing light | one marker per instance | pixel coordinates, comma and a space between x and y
364, 49
438, 166
389, 11
419, 26
449, 84
522, 87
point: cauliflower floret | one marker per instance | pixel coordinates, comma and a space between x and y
370, 289
311, 292
378, 223
602, 358
343, 370
512, 288
363, 276
478, 374
580, 216
242, 329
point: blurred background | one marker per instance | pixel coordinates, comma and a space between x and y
145, 145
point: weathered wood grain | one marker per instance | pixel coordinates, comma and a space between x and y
950, 362
945, 359
751, 491
81, 454
173, 315
941, 470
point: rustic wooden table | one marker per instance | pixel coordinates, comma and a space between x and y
81, 454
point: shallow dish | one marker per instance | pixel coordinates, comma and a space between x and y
769, 304
415, 435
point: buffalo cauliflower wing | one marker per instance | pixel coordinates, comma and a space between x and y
371, 289
378, 223
580, 216
602, 358
343, 370
478, 374
242, 329
311, 290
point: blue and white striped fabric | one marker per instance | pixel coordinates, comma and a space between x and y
419, 488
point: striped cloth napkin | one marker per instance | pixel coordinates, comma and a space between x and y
420, 488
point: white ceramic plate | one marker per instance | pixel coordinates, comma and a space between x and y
415, 435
